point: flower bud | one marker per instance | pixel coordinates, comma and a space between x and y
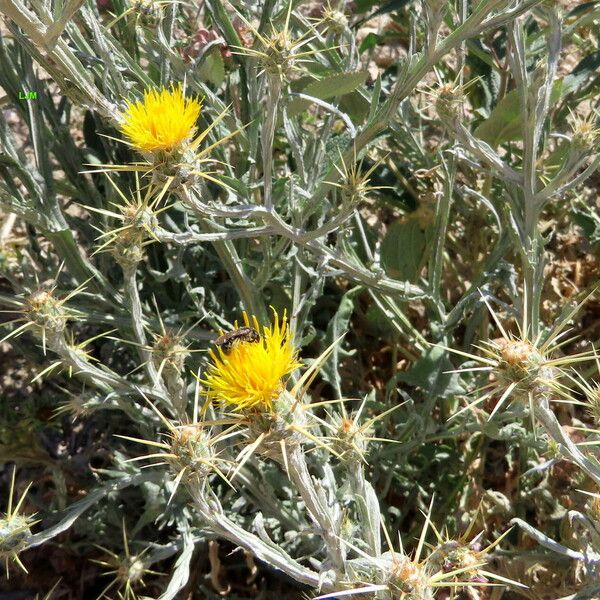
128, 249
46, 311
334, 21
408, 580
448, 104
192, 452
15, 534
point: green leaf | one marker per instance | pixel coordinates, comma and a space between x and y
339, 325
430, 373
181, 572
386, 7
402, 249
581, 9
340, 84
371, 40
378, 320
589, 221
91, 137
336, 85
588, 65
237, 185
276, 295
71, 513
356, 106
213, 68
505, 123
364, 5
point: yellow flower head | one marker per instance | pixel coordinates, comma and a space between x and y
162, 121
251, 374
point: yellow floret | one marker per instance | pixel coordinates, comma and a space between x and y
252, 375
163, 120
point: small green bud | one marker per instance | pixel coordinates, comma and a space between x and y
46, 311
585, 136
128, 248
334, 21
408, 580
279, 60
15, 533
192, 452
449, 103
169, 355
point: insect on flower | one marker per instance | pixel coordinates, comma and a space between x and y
243, 334
251, 376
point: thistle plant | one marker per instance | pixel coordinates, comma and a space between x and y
15, 529
128, 571
269, 295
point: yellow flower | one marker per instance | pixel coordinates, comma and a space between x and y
162, 121
251, 374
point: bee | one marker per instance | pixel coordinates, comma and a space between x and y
243, 334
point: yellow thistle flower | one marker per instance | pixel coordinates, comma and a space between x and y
251, 374
162, 121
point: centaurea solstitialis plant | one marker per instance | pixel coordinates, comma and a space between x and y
255, 165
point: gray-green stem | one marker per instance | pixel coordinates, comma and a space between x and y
137, 324
318, 510
368, 508
267, 137
211, 511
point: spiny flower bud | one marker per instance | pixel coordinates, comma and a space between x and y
408, 580
131, 570
128, 570
140, 218
148, 10
79, 405
169, 354
46, 311
280, 54
127, 248
15, 528
585, 136
520, 362
349, 440
593, 398
281, 424
448, 104
553, 449
334, 21
354, 189
523, 371
279, 60
354, 184
191, 452
176, 167
453, 555
15, 533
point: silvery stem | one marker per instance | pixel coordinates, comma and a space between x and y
318, 509
212, 512
137, 323
368, 509
267, 137
569, 450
